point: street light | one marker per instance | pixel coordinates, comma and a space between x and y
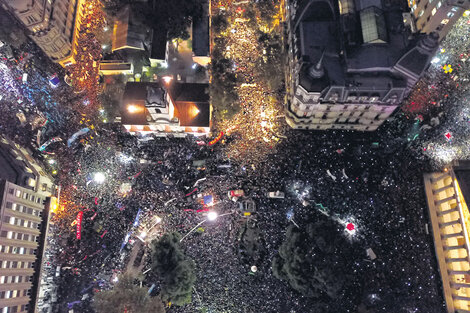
132, 108
99, 178
211, 216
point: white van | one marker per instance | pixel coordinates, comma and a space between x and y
275, 194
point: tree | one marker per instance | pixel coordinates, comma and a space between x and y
219, 23
127, 297
176, 269
316, 261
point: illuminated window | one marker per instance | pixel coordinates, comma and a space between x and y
450, 14
439, 4
445, 21
433, 11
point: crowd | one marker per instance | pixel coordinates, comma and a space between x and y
371, 180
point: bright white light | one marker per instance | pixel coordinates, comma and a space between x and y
254, 269
212, 216
99, 178
167, 79
124, 158
115, 279
104, 46
164, 64
101, 111
143, 234
106, 28
51, 161
132, 108
194, 66
435, 60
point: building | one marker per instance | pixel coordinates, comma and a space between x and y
200, 37
437, 16
447, 194
53, 25
116, 67
128, 32
350, 63
20, 168
26, 195
166, 108
159, 48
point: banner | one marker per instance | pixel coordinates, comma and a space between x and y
79, 225
216, 139
47, 143
82, 131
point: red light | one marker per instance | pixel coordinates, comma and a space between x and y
350, 226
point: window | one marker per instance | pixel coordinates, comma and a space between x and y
2, 279
25, 195
11, 191
10, 234
450, 14
18, 193
439, 4
445, 21
12, 220
433, 11
9, 205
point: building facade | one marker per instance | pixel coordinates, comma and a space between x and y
53, 25
437, 15
166, 108
21, 213
447, 194
350, 62
19, 167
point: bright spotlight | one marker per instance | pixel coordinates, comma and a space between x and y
212, 216
132, 108
99, 178
167, 79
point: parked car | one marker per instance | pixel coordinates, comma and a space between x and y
275, 194
234, 195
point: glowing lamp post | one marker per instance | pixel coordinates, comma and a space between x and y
99, 178
211, 216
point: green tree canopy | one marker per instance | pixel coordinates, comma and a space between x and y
317, 261
176, 270
127, 296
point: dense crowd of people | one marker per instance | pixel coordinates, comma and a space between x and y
373, 181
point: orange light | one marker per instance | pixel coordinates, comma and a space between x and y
131, 108
54, 205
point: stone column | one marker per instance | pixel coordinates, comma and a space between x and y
450, 260
459, 285
442, 225
438, 178
442, 189
446, 236
447, 248
455, 297
452, 272
453, 197
441, 213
